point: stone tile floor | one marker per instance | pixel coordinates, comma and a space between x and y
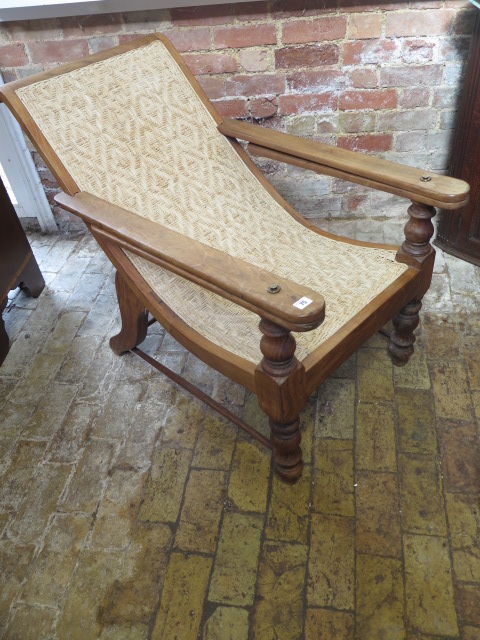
128, 510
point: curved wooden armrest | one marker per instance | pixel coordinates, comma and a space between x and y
234, 279
416, 185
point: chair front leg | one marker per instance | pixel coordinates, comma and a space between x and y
416, 250
280, 387
134, 319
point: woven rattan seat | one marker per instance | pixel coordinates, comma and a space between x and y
140, 152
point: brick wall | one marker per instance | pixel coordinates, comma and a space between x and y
382, 77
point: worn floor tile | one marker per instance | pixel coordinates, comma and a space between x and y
166, 485
64, 541
236, 560
428, 586
215, 443
326, 624
378, 515
421, 498
375, 442
464, 524
15, 481
281, 580
40, 501
72, 434
85, 487
380, 598
336, 408
205, 497
460, 447
15, 560
87, 595
416, 421
49, 414
331, 562
450, 386
288, 514
137, 589
182, 597
30, 623
248, 484
116, 512
228, 623
415, 375
468, 603
375, 376
333, 477
113, 421
183, 422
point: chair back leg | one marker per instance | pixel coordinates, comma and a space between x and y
134, 319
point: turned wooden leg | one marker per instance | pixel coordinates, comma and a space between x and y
281, 394
134, 319
402, 338
416, 251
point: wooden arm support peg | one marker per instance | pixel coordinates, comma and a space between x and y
416, 249
280, 387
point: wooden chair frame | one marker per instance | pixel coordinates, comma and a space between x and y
281, 383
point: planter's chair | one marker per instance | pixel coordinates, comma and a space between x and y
202, 241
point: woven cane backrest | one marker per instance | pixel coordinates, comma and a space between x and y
132, 130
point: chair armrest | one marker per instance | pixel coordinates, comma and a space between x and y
234, 279
416, 185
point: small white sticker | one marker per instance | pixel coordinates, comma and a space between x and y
302, 303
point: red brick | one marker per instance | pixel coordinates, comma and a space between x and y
368, 142
364, 78
353, 201
369, 52
432, 22
427, 75
426, 4
143, 21
301, 8
409, 120
365, 26
254, 85
417, 51
318, 29
254, 59
26, 30
356, 121
244, 36
91, 25
127, 37
8, 75
251, 11
374, 99
213, 87
300, 103
265, 107
235, 108
312, 55
205, 15
210, 63
352, 6
194, 39
58, 50
413, 98
101, 43
318, 81
13, 55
